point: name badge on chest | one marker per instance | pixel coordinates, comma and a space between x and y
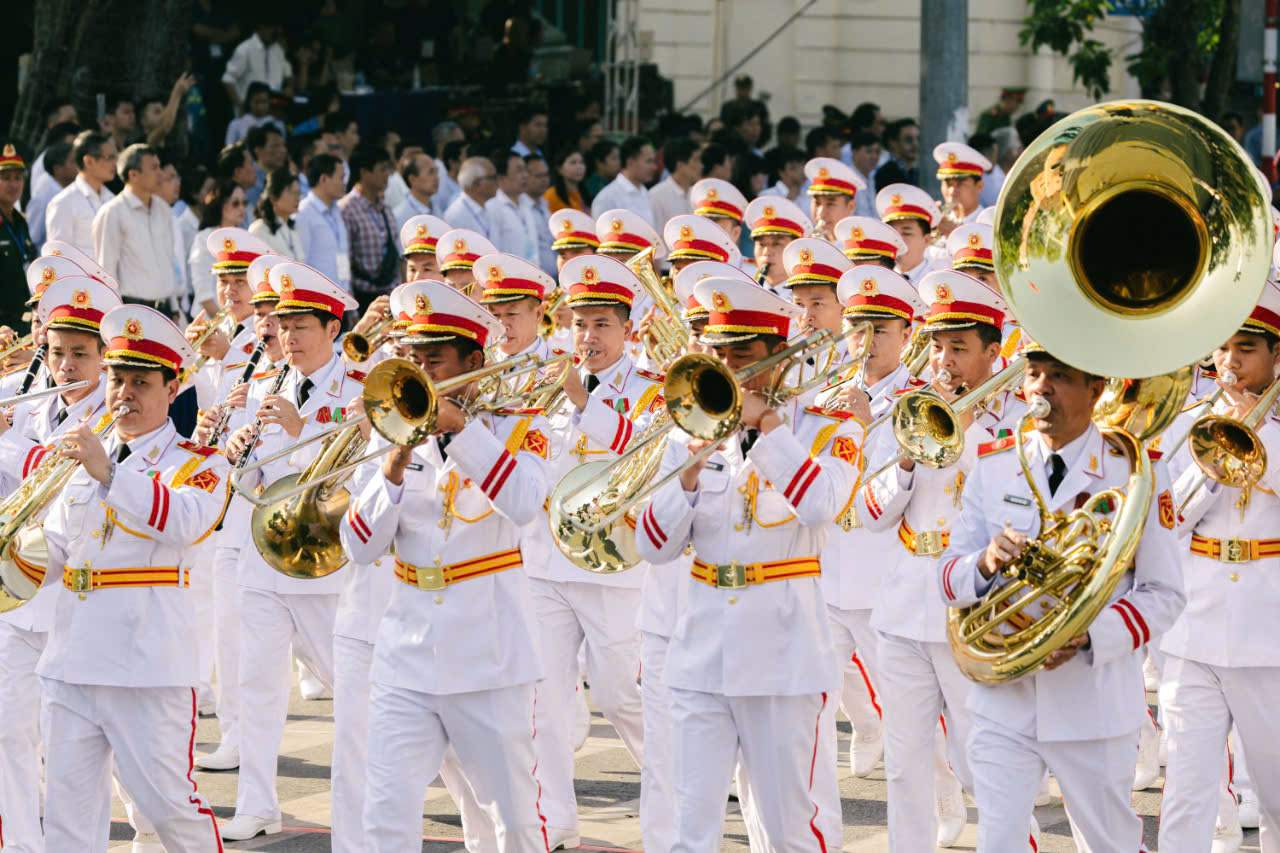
1017, 500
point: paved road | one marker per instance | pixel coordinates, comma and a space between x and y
608, 786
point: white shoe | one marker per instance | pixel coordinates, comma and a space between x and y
1147, 770
582, 720
1248, 808
146, 842
312, 689
1043, 796
1150, 675
952, 815
1227, 839
243, 827
866, 750
223, 758
562, 839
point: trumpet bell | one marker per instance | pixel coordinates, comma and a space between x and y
926, 429
1132, 233
300, 538
702, 396
1228, 451
400, 402
607, 551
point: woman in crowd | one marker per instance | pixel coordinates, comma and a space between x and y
605, 162
567, 171
274, 225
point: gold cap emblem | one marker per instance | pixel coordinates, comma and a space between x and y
421, 231
615, 226
589, 275
805, 256
495, 273
228, 245
80, 299
422, 304
856, 233
565, 225
769, 211
975, 239
459, 245
686, 232
824, 172
942, 294
895, 199
133, 329
720, 301
951, 157
869, 287
10, 151
47, 275
712, 195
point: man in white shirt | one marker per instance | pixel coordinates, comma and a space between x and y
449, 150
670, 198
536, 212
418, 171
479, 181
260, 57
864, 154
627, 190
531, 131
61, 171
69, 217
789, 163
508, 231
133, 232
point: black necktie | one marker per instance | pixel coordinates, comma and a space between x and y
123, 453
593, 382
442, 441
749, 440
1058, 471
59, 417
304, 392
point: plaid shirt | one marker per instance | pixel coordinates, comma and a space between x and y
369, 226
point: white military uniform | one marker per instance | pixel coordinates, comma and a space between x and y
1221, 665
24, 632
118, 671
1040, 721
438, 681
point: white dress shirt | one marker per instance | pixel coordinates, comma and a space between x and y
396, 192
447, 191
253, 61
134, 243
509, 232
621, 193
668, 199
465, 212
407, 209
69, 217
36, 207
287, 239
537, 214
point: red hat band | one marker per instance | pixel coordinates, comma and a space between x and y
698, 249
575, 240
449, 324
718, 207
422, 246
622, 242
879, 303
906, 211
512, 287
298, 299
73, 317
960, 169
143, 350
776, 225
1265, 319
747, 323
976, 312
694, 309
599, 290
832, 186
969, 256
864, 248
813, 274
459, 261
234, 261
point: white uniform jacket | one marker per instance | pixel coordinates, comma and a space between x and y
22, 448
212, 378
775, 504
924, 506
1098, 693
1232, 607
456, 516
619, 409
164, 498
369, 586
334, 386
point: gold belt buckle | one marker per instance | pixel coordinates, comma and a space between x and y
1236, 551
929, 543
81, 580
731, 576
431, 578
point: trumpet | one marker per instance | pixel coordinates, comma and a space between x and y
589, 510
357, 347
23, 552
667, 335
547, 325
1229, 451
220, 322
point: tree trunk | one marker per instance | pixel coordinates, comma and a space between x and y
1184, 64
1222, 71
91, 47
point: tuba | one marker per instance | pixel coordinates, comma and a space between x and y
1131, 238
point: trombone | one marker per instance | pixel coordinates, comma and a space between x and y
589, 508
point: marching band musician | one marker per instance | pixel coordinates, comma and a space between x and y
623, 234
690, 238
886, 300
960, 173
229, 541
726, 206
1079, 716
275, 610
918, 679
869, 241
70, 313
573, 234
118, 673
419, 236
41, 274
1220, 663
755, 514
513, 290
612, 402
910, 212
833, 190
461, 248
814, 268
453, 508
775, 222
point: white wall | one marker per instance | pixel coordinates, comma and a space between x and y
843, 52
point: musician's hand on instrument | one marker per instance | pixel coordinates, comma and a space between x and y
378, 310
238, 443
1239, 401
204, 426
7, 336
17, 359
395, 463
575, 390
6, 420
856, 402
237, 397
1058, 657
1001, 551
646, 322
81, 444
450, 417
754, 408
278, 410
355, 409
216, 346
689, 476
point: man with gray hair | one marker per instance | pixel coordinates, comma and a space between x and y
133, 233
441, 135
478, 179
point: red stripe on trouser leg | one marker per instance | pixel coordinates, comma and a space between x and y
871, 691
194, 797
813, 762
537, 803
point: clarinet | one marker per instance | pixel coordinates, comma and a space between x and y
243, 461
256, 356
762, 276
33, 368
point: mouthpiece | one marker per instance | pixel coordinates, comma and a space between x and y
1229, 378
945, 377
1039, 408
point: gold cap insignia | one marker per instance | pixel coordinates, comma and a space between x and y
769, 211
460, 245
422, 304
856, 233
942, 294
720, 301
495, 273
869, 287
712, 195
228, 245
824, 172
685, 232
895, 199
421, 231
975, 239
589, 275
47, 275
80, 299
133, 329
615, 226
566, 225
951, 157
10, 151
805, 256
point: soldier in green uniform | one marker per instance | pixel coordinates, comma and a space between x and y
1001, 113
16, 248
